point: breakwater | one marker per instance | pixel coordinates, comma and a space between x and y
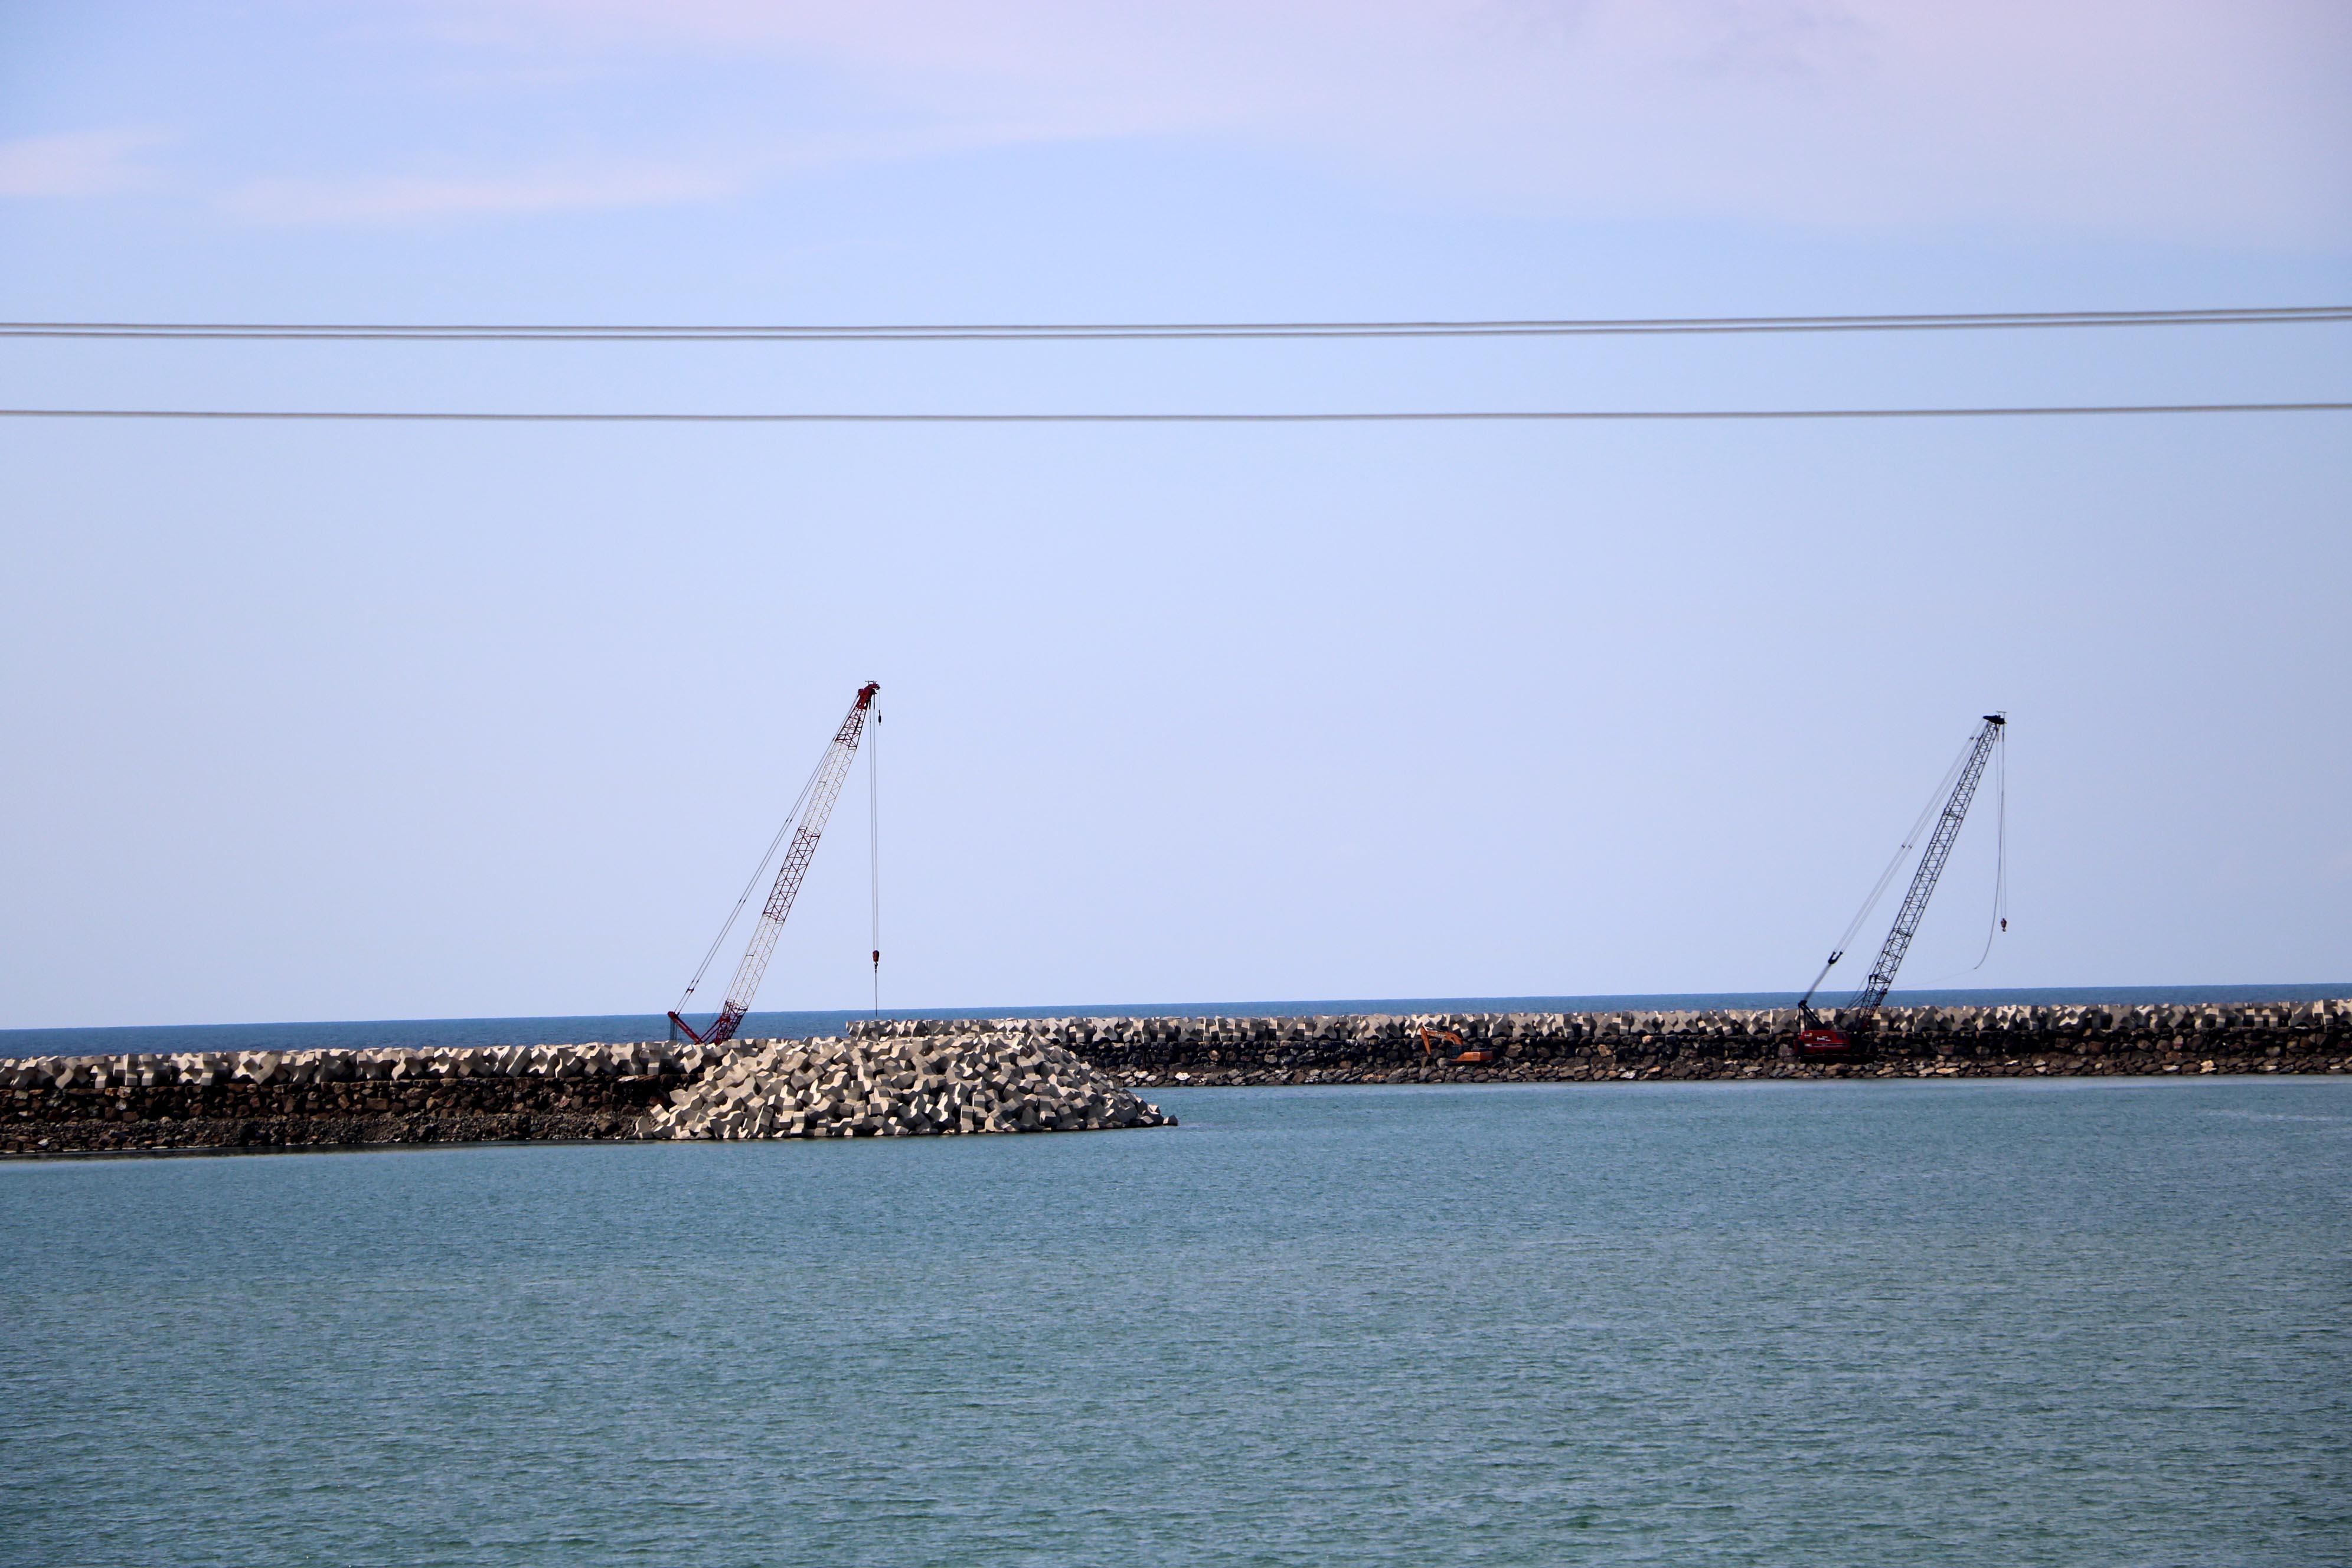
945, 1082
1999, 1041
51, 1105
231, 1099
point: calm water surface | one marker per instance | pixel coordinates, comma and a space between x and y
2074, 1322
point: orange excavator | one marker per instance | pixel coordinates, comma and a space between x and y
1471, 1056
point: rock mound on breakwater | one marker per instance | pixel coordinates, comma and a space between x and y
1001, 1082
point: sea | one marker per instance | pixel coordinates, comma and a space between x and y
2091, 1322
348, 1035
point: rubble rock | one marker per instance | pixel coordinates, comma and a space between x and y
1005, 1080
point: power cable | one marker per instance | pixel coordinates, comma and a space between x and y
1135, 331
1349, 418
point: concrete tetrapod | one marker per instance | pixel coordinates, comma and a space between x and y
1001, 1081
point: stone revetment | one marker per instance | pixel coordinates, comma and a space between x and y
907, 1077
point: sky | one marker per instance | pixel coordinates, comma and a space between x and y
394, 720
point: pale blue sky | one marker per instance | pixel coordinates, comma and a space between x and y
401, 721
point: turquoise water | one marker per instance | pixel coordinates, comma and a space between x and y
2085, 1322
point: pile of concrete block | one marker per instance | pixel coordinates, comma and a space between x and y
1007, 1080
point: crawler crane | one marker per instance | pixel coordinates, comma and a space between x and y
811, 811
1816, 1038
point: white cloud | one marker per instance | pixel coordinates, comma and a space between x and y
74, 163
2176, 117
400, 199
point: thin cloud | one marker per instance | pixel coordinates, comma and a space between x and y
740, 165
75, 163
412, 198
2176, 118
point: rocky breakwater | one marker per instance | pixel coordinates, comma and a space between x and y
2011, 1041
984, 1081
1007, 1080
231, 1099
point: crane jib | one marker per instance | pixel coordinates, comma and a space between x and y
825, 789
1931, 866
1814, 1037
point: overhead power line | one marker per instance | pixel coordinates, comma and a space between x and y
300, 332
484, 416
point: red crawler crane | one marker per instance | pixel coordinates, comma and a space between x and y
814, 805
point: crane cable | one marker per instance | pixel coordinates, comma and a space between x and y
735, 914
1998, 921
2000, 878
1887, 878
874, 841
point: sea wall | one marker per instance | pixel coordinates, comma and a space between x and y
986, 1081
53, 1105
231, 1099
2007, 1041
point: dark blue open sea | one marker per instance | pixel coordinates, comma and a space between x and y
2088, 1322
